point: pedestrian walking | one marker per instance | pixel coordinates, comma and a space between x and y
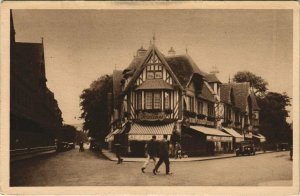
81, 149
178, 150
163, 152
118, 151
151, 151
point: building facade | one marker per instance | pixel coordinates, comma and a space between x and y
35, 117
169, 95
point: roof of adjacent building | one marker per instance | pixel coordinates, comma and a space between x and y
254, 102
212, 78
206, 93
29, 53
225, 93
117, 88
184, 68
155, 84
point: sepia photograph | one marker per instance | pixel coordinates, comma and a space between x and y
162, 97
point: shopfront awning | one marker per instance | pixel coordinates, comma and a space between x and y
260, 137
112, 133
144, 132
213, 134
232, 132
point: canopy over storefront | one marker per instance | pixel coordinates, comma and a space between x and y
260, 137
238, 137
212, 134
112, 133
140, 132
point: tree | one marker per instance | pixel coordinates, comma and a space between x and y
273, 116
67, 133
258, 84
95, 107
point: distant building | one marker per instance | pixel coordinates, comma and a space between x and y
35, 116
170, 95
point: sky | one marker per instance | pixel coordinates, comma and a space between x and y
82, 45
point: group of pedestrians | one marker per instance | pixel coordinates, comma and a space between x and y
158, 149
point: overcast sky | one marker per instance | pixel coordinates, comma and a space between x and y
82, 45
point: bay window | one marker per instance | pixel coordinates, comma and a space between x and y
167, 99
200, 107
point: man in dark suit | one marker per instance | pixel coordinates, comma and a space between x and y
163, 155
151, 151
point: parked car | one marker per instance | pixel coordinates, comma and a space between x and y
245, 148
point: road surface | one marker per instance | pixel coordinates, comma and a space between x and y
73, 168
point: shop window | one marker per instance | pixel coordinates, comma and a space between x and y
167, 99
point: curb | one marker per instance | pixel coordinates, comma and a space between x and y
186, 160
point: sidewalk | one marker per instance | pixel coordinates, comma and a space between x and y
111, 156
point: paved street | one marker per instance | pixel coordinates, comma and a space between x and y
79, 169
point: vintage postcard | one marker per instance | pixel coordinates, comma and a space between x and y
176, 98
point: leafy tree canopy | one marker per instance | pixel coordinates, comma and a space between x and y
273, 115
256, 82
94, 106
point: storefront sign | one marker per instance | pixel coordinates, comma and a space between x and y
248, 135
201, 121
152, 116
215, 138
145, 137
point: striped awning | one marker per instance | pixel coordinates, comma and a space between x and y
213, 134
110, 136
238, 137
260, 137
209, 131
143, 133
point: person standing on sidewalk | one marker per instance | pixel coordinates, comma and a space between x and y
118, 150
151, 151
163, 155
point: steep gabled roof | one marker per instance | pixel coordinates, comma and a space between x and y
117, 88
212, 78
141, 64
29, 53
240, 92
225, 93
207, 93
184, 68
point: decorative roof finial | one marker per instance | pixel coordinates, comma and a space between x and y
229, 80
186, 50
42, 40
154, 38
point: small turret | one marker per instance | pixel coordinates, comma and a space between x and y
171, 52
141, 52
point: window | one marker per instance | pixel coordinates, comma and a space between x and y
157, 100
190, 104
200, 107
154, 71
139, 100
210, 108
148, 100
167, 99
153, 100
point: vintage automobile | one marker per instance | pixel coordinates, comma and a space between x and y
245, 148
